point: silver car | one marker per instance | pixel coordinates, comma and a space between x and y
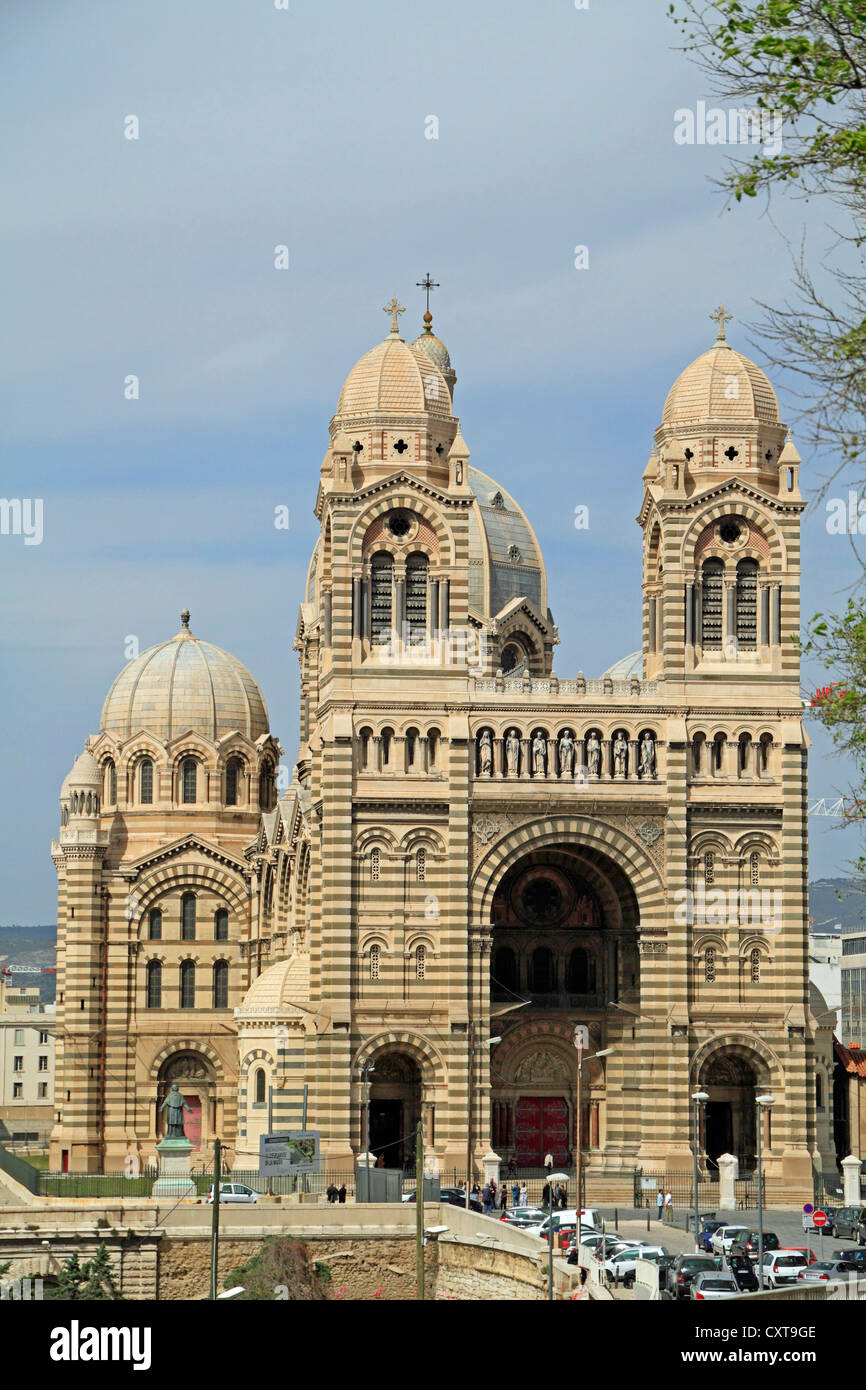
726, 1236
709, 1286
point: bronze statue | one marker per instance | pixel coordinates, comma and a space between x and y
176, 1105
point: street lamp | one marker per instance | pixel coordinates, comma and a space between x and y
368, 1067
473, 1048
762, 1102
579, 1036
698, 1098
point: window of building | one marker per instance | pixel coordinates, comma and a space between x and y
110, 784
267, 796
755, 965
712, 594
374, 962
187, 917
43, 1039
381, 584
819, 1092
416, 598
421, 865
189, 778
577, 976
43, 1090
221, 924
19, 1037
754, 868
17, 1090
710, 965
747, 604
420, 962
375, 864
542, 971
145, 782
18, 1063
232, 774
154, 924
154, 984
187, 984
709, 867
43, 1063
221, 984
259, 1086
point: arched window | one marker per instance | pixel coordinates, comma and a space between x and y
374, 962
154, 924
710, 965
189, 778
259, 1085
754, 869
420, 962
187, 984
221, 984
234, 769
375, 864
512, 657
819, 1091
421, 865
744, 748
542, 971
221, 924
755, 965
154, 984
416, 598
187, 917
747, 604
145, 782
432, 747
766, 746
709, 867
504, 969
577, 975
109, 794
381, 584
266, 786
712, 594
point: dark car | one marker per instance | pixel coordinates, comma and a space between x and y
744, 1272
849, 1223
683, 1269
857, 1257
706, 1234
455, 1197
750, 1244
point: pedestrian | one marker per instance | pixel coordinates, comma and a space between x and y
563, 1196
524, 1196
515, 1194
545, 1197
332, 1193
485, 1197
503, 1198
669, 1207
341, 1195
660, 1199
548, 1162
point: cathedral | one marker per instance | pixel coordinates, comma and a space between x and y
473, 854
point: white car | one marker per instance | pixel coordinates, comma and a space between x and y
783, 1267
622, 1262
708, 1286
233, 1192
726, 1236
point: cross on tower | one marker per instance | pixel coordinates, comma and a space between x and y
394, 309
428, 285
719, 317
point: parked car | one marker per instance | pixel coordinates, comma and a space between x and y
726, 1236
611, 1243
809, 1224
233, 1192
620, 1265
782, 1267
849, 1223
857, 1256
452, 1197
653, 1256
769, 1241
706, 1233
830, 1269
714, 1285
684, 1269
523, 1216
743, 1271
808, 1254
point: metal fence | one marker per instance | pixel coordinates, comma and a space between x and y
648, 1184
20, 1170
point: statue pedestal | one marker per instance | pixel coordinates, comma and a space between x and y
174, 1179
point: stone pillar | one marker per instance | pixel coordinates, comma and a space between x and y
434, 605
729, 1171
399, 613
851, 1180
552, 769
490, 1166
400, 753
607, 757
776, 616
377, 752
423, 763
326, 619
730, 614
651, 624
579, 756
764, 635
525, 758
690, 614
633, 761
444, 603
498, 757
356, 607
366, 602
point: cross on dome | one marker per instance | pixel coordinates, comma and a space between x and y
719, 317
394, 309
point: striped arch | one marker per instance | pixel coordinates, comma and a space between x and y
524, 1040
410, 501
768, 1069
422, 837
710, 938
735, 502
568, 833
376, 937
376, 837
187, 1045
755, 943
166, 878
711, 839
432, 1067
258, 1054
141, 745
419, 937
760, 840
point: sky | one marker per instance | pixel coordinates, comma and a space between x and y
154, 257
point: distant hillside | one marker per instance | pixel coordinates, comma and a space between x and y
833, 900
27, 951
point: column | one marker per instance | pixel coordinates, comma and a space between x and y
765, 616
552, 769
366, 624
400, 764
326, 618
756, 754
399, 612
498, 757
377, 752
776, 616
580, 757
730, 630
434, 605
423, 760
607, 757
632, 759
525, 769
444, 603
651, 624
356, 607
690, 614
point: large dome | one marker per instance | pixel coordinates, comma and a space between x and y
394, 378
185, 684
721, 385
505, 560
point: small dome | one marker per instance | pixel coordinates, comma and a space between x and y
505, 560
436, 351
626, 668
185, 684
83, 775
721, 385
394, 379
280, 986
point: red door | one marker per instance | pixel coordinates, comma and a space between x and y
541, 1128
192, 1122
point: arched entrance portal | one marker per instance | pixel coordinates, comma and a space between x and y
195, 1077
395, 1108
730, 1113
565, 947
